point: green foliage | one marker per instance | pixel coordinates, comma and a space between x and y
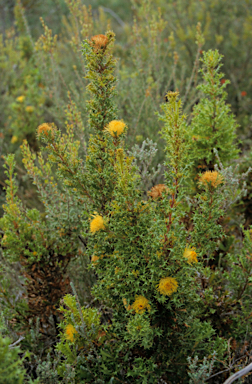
140, 249
169, 268
79, 331
11, 369
199, 374
212, 124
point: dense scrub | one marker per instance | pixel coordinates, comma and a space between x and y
126, 242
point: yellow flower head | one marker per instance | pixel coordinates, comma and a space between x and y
116, 128
212, 177
94, 259
190, 255
96, 224
14, 139
69, 332
99, 41
45, 128
167, 286
29, 109
20, 99
140, 304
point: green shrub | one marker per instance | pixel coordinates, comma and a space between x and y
170, 266
11, 368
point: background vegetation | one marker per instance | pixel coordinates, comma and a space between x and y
47, 76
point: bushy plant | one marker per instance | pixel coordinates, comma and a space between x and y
11, 368
152, 257
172, 266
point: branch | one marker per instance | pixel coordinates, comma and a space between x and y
241, 373
16, 342
112, 13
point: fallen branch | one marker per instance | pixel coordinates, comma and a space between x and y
241, 373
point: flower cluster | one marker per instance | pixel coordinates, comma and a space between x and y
211, 177
167, 286
141, 304
44, 128
115, 128
157, 191
99, 41
70, 331
97, 223
190, 255
94, 259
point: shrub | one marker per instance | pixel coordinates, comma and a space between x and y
172, 271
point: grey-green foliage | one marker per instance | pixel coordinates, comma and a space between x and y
199, 373
11, 369
144, 155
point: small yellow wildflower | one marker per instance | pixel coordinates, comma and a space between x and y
69, 332
190, 255
29, 109
14, 139
20, 99
94, 259
140, 304
44, 128
212, 177
34, 253
116, 127
167, 286
97, 223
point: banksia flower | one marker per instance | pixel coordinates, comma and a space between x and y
29, 109
44, 128
94, 259
115, 128
97, 223
157, 190
211, 177
167, 286
190, 255
69, 332
99, 41
20, 99
14, 139
140, 304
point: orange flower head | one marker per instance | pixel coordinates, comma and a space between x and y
99, 41
94, 259
115, 128
167, 286
44, 128
140, 304
97, 223
70, 331
190, 255
157, 190
243, 93
211, 177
